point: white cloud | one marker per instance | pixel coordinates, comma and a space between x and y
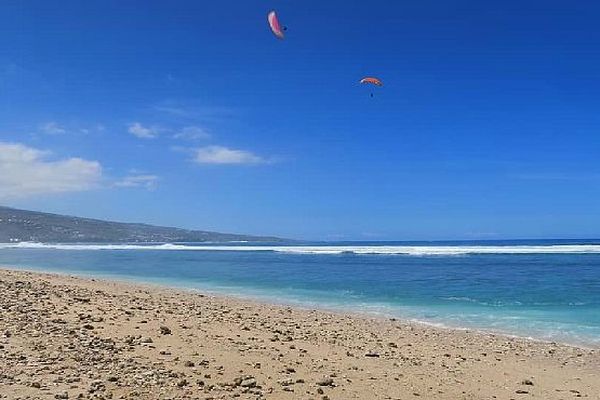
192, 132
141, 131
52, 128
224, 155
55, 128
25, 171
132, 181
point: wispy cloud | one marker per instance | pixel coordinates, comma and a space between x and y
52, 128
223, 156
149, 182
176, 111
74, 128
26, 171
92, 129
191, 133
142, 132
194, 111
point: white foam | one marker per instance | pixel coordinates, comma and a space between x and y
375, 250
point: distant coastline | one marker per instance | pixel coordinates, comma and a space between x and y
33, 226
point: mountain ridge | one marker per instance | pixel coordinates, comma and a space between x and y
18, 225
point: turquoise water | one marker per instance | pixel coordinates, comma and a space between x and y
544, 290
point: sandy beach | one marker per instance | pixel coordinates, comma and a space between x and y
64, 337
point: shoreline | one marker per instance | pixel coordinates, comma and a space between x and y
270, 301
90, 337
408, 248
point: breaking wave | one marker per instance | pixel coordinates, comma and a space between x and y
333, 250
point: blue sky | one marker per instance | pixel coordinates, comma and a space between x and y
193, 114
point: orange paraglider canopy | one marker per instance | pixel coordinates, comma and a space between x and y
371, 80
275, 25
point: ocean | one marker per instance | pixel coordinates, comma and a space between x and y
547, 290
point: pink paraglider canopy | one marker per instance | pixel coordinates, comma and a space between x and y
372, 80
275, 25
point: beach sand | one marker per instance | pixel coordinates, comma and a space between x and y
66, 337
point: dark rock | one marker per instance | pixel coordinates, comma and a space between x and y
182, 383
325, 381
165, 330
96, 386
82, 299
287, 382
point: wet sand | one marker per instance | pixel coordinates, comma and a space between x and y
64, 337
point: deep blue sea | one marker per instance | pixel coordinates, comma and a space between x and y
548, 290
